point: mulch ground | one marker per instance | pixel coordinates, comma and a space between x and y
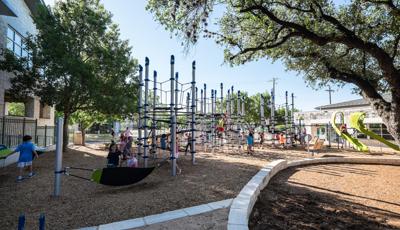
217, 176
333, 196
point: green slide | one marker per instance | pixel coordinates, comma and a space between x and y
358, 145
357, 122
5, 153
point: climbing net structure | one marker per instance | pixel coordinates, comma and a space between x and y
208, 120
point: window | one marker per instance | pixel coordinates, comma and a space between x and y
16, 109
44, 111
15, 43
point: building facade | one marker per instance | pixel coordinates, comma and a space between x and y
15, 24
28, 116
318, 122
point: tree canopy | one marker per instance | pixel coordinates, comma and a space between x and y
333, 42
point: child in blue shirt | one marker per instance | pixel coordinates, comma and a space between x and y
250, 143
26, 151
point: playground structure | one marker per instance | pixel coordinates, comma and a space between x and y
359, 146
211, 121
356, 121
214, 122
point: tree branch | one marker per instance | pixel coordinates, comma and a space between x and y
385, 61
264, 46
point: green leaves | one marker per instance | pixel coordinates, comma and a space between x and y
80, 62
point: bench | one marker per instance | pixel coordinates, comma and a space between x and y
319, 144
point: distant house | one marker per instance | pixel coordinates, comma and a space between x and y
28, 116
318, 121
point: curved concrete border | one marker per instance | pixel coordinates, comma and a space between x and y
162, 217
242, 205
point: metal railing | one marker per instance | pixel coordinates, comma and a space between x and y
12, 131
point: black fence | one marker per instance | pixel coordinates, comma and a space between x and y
13, 129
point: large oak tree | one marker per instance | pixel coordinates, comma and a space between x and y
338, 42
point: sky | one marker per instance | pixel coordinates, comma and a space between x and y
149, 39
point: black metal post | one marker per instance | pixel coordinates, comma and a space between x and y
23, 126
45, 135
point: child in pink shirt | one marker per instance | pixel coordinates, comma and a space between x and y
132, 162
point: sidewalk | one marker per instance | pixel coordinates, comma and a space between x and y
212, 215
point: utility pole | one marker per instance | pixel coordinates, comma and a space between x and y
329, 90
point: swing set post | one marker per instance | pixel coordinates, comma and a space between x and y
173, 117
273, 111
286, 119
153, 123
193, 117
59, 152
173, 144
146, 112
140, 107
212, 120
238, 121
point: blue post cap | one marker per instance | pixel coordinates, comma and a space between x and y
155, 73
194, 64
146, 61
21, 222
286, 93
222, 85
172, 59
205, 85
140, 68
229, 90
41, 222
238, 92
176, 75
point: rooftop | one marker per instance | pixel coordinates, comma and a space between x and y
349, 104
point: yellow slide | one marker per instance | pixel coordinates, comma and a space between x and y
357, 122
358, 145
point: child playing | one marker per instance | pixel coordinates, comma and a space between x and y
282, 140
26, 151
128, 147
113, 156
132, 162
343, 129
250, 143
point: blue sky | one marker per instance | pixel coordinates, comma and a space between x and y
150, 39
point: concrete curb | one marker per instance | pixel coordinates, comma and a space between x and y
162, 217
242, 205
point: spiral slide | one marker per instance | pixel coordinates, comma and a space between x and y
358, 145
357, 122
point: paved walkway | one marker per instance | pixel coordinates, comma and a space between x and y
213, 215
216, 220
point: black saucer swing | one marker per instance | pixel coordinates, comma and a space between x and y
118, 176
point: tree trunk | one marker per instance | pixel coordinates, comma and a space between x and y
83, 136
392, 119
390, 114
65, 132
82, 128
